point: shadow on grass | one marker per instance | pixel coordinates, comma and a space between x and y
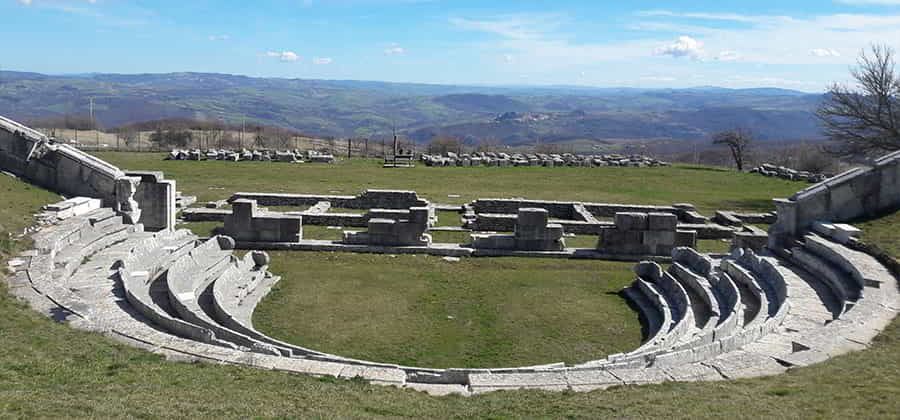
645, 330
879, 215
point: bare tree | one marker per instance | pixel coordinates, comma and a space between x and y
282, 137
489, 144
214, 135
738, 141
443, 144
865, 120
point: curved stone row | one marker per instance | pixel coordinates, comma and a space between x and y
704, 318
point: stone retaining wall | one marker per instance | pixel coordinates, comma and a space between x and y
68, 171
369, 199
564, 209
860, 192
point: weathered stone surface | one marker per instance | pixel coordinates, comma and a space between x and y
631, 221
260, 259
662, 221
247, 224
591, 379
633, 234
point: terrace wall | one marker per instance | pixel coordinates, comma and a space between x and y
857, 193
66, 170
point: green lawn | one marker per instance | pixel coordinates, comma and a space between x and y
51, 370
448, 218
884, 232
18, 202
709, 189
423, 311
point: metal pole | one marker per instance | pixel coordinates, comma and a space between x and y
349, 149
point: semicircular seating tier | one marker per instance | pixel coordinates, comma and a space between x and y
804, 298
704, 318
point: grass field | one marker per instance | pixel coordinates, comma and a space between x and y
51, 370
708, 188
884, 232
420, 310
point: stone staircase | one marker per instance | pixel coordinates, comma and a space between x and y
744, 315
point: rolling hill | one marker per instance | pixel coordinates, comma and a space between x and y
511, 115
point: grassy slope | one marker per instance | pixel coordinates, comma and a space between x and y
884, 232
50, 370
423, 311
18, 201
708, 188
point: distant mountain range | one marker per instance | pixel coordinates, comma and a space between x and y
511, 115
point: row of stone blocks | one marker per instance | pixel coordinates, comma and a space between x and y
705, 317
405, 228
645, 234
533, 232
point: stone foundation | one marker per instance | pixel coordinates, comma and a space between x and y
645, 234
404, 228
533, 232
247, 224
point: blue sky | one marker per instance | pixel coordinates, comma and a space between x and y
799, 44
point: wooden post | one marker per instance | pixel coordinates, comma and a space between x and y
349, 148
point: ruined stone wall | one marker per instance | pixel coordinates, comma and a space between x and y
369, 199
68, 171
155, 196
247, 224
57, 167
645, 234
556, 209
860, 192
336, 219
610, 210
486, 222
533, 232
566, 210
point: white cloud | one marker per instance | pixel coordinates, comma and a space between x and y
509, 58
289, 56
321, 61
394, 49
25, 2
520, 26
284, 56
824, 52
780, 40
732, 17
684, 46
546, 47
219, 37
728, 55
